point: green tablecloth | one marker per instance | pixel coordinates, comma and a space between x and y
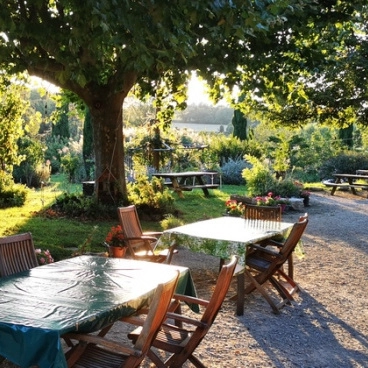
78, 294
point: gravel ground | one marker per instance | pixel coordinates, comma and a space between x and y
327, 324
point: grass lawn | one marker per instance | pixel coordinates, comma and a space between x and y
63, 236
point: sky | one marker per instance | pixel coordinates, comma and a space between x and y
197, 94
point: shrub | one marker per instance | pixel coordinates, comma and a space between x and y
30, 171
286, 188
11, 195
346, 163
170, 221
78, 205
232, 172
151, 197
259, 178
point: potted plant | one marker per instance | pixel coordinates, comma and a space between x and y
115, 242
234, 208
271, 200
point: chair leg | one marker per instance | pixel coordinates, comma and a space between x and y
155, 359
290, 281
285, 295
196, 362
291, 266
260, 288
240, 294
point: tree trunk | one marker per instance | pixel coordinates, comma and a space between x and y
107, 121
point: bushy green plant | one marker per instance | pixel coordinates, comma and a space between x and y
11, 195
170, 221
150, 196
70, 164
232, 170
286, 188
259, 178
78, 205
345, 163
31, 170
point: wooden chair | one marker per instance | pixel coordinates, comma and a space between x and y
268, 213
140, 244
265, 264
272, 242
99, 351
179, 341
17, 254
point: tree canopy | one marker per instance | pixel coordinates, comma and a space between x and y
101, 49
314, 68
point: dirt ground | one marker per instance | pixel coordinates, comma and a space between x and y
327, 325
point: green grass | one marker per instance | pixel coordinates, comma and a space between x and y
63, 236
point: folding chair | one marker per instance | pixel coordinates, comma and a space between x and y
179, 341
99, 351
141, 244
264, 264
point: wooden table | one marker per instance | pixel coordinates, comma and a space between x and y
223, 237
79, 294
340, 182
189, 180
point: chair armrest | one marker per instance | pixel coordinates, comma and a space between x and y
275, 243
190, 299
263, 249
151, 238
185, 319
152, 233
94, 339
133, 320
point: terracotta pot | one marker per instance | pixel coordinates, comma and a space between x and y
117, 252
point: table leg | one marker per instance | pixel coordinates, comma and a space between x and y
176, 187
240, 294
333, 190
201, 182
350, 180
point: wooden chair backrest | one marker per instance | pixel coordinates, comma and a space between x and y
268, 213
154, 320
212, 309
131, 226
17, 254
129, 221
292, 240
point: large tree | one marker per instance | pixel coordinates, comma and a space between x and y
100, 49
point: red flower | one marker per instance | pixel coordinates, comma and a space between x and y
115, 237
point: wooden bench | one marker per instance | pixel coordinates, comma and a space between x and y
198, 186
350, 184
178, 181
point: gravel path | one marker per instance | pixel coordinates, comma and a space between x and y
327, 326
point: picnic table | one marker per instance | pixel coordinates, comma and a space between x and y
348, 181
189, 180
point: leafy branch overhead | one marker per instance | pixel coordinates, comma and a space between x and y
100, 50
